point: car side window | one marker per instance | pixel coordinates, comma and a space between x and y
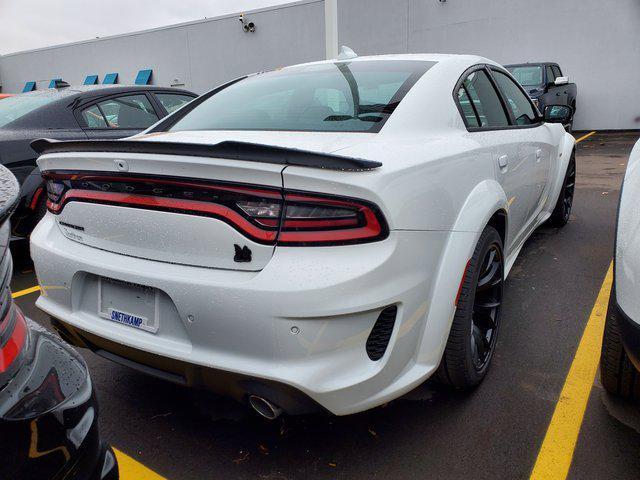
172, 101
551, 76
556, 71
130, 111
93, 117
468, 109
483, 100
517, 101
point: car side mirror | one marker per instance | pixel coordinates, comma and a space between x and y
558, 114
561, 81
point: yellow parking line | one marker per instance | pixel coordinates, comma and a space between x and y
26, 291
584, 137
556, 453
130, 469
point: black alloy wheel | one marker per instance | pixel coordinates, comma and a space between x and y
486, 307
474, 331
568, 190
564, 205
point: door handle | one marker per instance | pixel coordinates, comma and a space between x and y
538, 154
503, 161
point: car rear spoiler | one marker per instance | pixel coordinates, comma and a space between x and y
251, 152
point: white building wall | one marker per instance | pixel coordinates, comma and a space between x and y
200, 55
596, 42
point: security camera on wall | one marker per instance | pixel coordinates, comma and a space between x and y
248, 27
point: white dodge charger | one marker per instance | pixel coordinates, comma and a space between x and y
326, 235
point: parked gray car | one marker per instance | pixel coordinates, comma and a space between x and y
72, 113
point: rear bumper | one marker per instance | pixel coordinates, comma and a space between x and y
229, 384
299, 326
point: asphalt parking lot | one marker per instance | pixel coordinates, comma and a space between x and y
494, 432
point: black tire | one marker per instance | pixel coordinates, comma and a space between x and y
617, 373
479, 306
562, 211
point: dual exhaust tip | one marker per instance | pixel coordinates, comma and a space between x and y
264, 407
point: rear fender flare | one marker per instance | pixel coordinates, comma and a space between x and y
566, 149
483, 202
487, 198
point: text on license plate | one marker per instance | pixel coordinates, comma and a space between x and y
126, 318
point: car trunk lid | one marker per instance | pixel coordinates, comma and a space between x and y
185, 209
162, 207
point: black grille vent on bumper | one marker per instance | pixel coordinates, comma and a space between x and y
381, 333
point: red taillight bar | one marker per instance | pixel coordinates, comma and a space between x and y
12, 348
336, 231
162, 203
289, 218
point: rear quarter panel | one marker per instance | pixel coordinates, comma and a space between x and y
423, 184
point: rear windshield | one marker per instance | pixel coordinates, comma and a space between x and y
335, 97
12, 108
530, 76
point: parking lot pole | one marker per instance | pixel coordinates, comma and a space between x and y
331, 28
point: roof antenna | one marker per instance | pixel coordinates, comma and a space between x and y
346, 53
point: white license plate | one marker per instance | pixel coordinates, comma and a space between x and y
128, 304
